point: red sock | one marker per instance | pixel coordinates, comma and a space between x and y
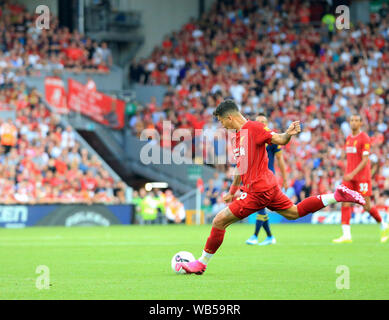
374, 213
310, 205
346, 215
214, 241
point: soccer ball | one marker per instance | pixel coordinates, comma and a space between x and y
182, 256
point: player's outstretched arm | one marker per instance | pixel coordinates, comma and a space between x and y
284, 138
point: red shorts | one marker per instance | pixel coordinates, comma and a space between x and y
361, 186
250, 202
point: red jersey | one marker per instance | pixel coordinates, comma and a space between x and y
356, 147
251, 157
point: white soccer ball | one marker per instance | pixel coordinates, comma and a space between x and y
182, 256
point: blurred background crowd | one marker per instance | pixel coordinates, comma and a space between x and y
285, 60
41, 161
282, 58
26, 49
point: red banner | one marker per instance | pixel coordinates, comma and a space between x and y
55, 94
96, 105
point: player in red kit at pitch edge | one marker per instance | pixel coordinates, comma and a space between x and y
358, 178
260, 189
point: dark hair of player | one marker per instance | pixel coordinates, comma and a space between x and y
226, 107
356, 115
261, 115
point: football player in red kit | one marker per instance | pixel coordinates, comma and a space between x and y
358, 178
259, 186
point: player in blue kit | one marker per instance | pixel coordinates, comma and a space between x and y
273, 151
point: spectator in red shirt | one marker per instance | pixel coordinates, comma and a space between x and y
88, 182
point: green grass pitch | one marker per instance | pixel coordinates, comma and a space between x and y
133, 262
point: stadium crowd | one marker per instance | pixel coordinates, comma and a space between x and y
30, 50
42, 162
271, 57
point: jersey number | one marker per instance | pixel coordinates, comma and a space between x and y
243, 196
363, 187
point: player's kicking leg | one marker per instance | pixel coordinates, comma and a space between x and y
222, 220
316, 203
277, 201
